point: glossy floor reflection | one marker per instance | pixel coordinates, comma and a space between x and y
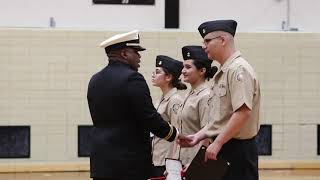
264, 175
290, 174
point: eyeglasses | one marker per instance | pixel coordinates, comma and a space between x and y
207, 41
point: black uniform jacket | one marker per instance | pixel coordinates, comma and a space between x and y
123, 116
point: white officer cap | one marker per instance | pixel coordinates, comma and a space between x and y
119, 41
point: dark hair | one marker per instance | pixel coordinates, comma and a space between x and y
210, 71
176, 82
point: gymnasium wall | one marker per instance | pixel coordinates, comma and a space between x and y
262, 15
44, 75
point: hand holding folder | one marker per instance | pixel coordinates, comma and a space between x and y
210, 170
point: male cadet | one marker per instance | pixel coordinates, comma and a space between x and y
123, 114
235, 103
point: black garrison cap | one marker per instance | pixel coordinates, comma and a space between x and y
173, 66
195, 53
229, 26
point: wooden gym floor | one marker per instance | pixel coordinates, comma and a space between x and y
264, 175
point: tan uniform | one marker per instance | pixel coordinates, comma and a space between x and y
234, 85
168, 108
191, 120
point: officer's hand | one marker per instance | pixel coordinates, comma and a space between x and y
188, 141
212, 151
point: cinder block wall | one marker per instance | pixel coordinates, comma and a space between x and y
44, 75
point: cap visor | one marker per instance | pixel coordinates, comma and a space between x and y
138, 48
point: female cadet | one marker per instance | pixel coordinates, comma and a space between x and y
166, 77
192, 114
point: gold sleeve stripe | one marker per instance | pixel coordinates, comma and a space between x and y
170, 132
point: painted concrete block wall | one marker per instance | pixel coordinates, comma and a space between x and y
44, 75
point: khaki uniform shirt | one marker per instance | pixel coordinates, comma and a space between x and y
191, 120
168, 108
234, 84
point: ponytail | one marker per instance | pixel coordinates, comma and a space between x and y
210, 72
175, 82
178, 84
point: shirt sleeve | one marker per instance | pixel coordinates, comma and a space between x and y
241, 85
141, 104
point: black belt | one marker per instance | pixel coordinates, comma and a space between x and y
211, 140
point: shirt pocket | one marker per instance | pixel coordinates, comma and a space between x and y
223, 99
222, 90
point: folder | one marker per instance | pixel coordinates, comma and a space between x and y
210, 170
174, 169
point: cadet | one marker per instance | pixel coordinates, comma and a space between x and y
166, 77
123, 114
192, 116
234, 110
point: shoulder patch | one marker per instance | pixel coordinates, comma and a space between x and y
239, 76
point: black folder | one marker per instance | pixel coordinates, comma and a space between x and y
210, 170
